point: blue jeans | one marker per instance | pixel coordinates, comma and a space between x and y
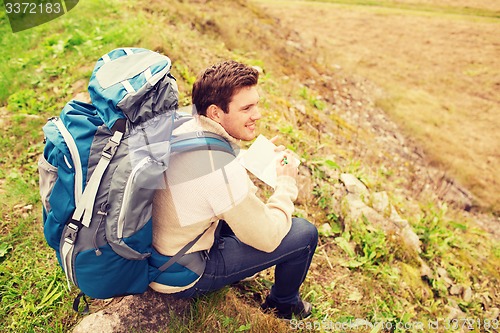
231, 261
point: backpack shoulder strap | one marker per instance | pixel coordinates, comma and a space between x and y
192, 141
86, 205
201, 140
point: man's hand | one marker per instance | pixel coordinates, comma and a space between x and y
286, 164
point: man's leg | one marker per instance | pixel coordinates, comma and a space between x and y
231, 261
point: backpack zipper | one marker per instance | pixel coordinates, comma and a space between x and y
103, 213
126, 194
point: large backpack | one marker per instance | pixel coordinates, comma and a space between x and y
101, 165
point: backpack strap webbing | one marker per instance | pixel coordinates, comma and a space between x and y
76, 303
181, 252
85, 207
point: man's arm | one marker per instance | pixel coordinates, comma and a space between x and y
264, 225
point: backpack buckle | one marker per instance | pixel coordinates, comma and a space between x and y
71, 234
110, 149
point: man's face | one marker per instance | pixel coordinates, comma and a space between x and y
243, 114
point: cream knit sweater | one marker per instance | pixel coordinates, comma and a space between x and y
205, 187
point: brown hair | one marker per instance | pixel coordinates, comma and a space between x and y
218, 84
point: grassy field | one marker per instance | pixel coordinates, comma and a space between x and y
437, 66
358, 272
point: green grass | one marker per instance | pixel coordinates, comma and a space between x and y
80, 37
38, 69
356, 273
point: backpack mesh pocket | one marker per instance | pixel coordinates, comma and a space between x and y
48, 177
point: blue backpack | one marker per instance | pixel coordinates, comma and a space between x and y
101, 165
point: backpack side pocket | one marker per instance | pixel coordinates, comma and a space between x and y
48, 177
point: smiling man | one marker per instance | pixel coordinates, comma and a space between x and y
229, 100
209, 193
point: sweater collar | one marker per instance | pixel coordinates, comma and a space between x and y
211, 126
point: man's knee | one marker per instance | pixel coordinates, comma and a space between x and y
305, 229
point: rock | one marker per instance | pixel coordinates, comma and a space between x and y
467, 294
395, 218
492, 314
409, 236
453, 313
456, 289
443, 275
300, 107
411, 239
425, 270
353, 184
442, 272
355, 208
380, 202
325, 229
101, 321
145, 313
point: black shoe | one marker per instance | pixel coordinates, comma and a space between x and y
301, 310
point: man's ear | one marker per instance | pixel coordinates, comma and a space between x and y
213, 112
